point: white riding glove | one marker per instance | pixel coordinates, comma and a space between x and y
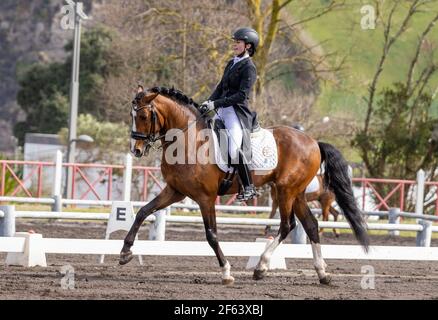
207, 108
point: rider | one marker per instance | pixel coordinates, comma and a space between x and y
230, 98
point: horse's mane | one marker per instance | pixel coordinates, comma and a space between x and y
176, 95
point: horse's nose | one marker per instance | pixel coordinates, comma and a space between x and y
137, 153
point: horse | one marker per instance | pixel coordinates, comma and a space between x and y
324, 196
159, 110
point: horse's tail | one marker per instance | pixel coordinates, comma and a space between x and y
337, 179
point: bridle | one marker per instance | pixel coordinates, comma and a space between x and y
151, 137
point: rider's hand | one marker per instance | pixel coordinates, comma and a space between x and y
207, 108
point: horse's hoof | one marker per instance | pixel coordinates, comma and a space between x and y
326, 280
125, 257
259, 274
228, 281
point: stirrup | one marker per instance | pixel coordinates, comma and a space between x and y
248, 193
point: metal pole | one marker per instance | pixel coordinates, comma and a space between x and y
7, 223
74, 95
424, 237
57, 196
420, 192
394, 218
298, 235
127, 178
157, 230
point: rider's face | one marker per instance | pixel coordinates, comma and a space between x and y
238, 47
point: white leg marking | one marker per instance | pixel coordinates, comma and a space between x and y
227, 279
226, 271
266, 255
318, 261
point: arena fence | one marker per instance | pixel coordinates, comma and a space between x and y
86, 186
424, 227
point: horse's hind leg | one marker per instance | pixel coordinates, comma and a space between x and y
310, 225
164, 199
209, 216
285, 202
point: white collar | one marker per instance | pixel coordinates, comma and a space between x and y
238, 59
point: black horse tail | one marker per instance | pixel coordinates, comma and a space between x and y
337, 179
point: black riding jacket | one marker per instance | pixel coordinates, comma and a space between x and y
234, 90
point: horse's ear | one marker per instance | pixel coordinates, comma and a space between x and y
149, 97
140, 89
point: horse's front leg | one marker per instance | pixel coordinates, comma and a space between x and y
164, 199
209, 216
273, 207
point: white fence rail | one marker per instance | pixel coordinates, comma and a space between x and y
8, 215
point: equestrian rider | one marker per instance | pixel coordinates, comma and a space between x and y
230, 101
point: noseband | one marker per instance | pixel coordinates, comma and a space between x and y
151, 137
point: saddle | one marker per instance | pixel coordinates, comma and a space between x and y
263, 156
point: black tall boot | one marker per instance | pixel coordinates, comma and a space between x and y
249, 191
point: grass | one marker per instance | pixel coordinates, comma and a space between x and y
344, 35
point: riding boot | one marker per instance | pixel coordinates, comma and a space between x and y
249, 191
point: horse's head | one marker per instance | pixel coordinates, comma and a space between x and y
145, 122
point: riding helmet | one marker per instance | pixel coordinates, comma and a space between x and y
248, 35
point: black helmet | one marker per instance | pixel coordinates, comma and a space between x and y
248, 35
298, 126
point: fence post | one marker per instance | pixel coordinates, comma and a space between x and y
157, 230
57, 183
420, 192
394, 218
7, 223
424, 237
127, 178
298, 235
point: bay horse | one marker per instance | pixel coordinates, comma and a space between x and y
159, 110
324, 196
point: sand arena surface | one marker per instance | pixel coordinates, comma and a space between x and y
199, 277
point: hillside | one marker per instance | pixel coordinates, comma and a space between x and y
29, 31
342, 32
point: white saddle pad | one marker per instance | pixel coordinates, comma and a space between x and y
264, 152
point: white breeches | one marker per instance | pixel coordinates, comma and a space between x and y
232, 123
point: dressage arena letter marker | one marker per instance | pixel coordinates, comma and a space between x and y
121, 218
121, 214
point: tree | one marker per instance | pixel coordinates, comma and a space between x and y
111, 140
187, 44
44, 88
397, 138
43, 96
